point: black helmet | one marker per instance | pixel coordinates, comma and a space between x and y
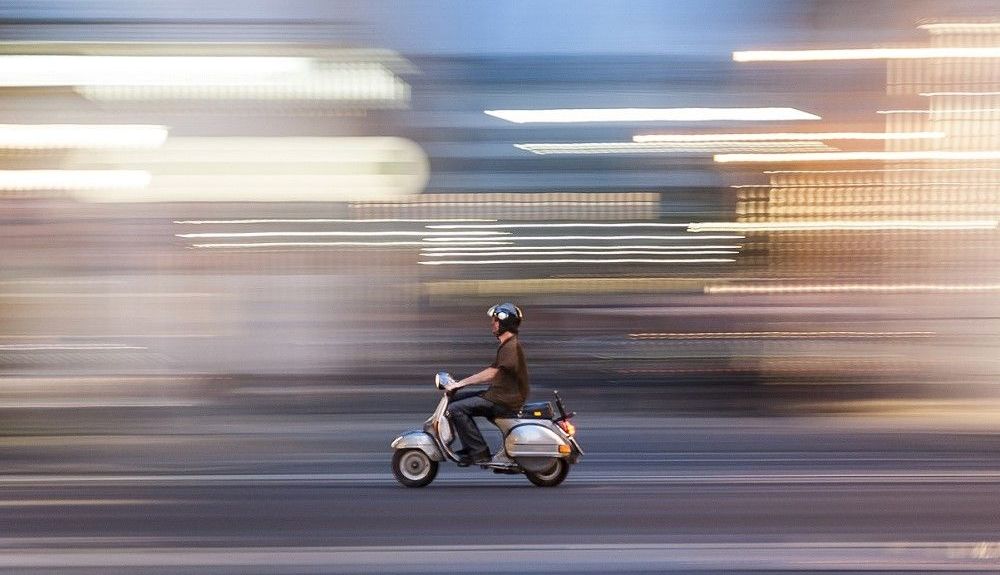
509, 316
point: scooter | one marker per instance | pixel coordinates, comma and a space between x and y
535, 442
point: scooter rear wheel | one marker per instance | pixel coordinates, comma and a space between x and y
413, 467
552, 477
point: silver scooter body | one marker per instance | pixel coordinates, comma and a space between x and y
535, 446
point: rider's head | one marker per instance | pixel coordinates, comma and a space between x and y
507, 318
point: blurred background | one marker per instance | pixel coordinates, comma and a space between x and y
290, 200
243, 236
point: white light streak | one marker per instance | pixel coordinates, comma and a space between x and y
860, 156
461, 239
329, 234
328, 221
577, 261
68, 347
322, 244
554, 238
843, 225
58, 136
579, 252
651, 115
954, 111
787, 136
81, 70
884, 170
595, 248
278, 169
207, 77
560, 225
368, 155
864, 54
929, 94
849, 288
667, 147
47, 180
958, 26
780, 334
890, 184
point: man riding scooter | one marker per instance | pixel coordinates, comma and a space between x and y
508, 389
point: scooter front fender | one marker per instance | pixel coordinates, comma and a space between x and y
419, 440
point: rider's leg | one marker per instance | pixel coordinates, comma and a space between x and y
462, 412
464, 393
458, 396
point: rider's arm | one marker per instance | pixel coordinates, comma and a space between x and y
485, 376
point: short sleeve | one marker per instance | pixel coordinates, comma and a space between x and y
506, 359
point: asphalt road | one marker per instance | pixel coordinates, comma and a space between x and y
705, 495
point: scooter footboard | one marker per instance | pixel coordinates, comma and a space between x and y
419, 440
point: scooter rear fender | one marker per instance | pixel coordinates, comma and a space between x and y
419, 440
528, 438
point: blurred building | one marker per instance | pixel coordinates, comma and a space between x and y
290, 202
907, 232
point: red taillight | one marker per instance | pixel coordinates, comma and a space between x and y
568, 427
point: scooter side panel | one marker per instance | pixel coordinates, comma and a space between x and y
532, 440
418, 440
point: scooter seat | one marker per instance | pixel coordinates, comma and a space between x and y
537, 410
504, 415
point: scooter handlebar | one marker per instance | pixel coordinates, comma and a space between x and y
443, 379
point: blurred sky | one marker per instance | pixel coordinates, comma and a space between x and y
449, 27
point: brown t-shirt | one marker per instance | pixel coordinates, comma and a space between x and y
511, 388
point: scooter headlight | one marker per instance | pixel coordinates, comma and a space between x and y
442, 379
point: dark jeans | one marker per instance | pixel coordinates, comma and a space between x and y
465, 405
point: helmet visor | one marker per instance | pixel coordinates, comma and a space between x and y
503, 311
498, 312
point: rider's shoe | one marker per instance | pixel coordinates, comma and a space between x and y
477, 459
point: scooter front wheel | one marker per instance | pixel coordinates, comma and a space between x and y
413, 467
552, 476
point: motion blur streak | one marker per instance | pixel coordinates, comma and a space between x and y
239, 239
785, 136
327, 234
671, 147
843, 225
932, 94
58, 70
861, 156
579, 261
80, 136
864, 54
835, 288
554, 238
579, 252
322, 221
73, 179
305, 244
652, 115
967, 170
779, 334
601, 248
561, 225
956, 111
